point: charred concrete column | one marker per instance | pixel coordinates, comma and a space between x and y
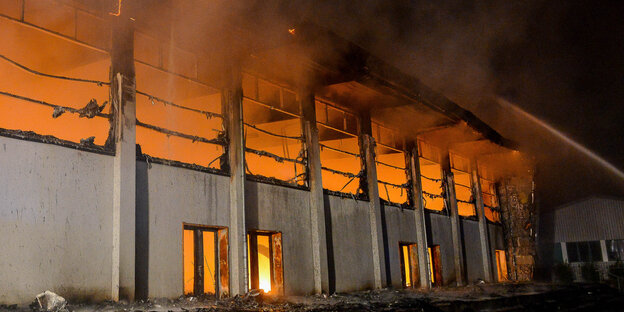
419, 215
367, 144
317, 204
233, 106
484, 238
451, 202
123, 138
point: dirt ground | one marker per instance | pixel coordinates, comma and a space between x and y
484, 297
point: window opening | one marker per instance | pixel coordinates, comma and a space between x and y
491, 205
204, 260
179, 119
53, 86
409, 265
460, 166
584, 251
615, 249
392, 174
264, 262
435, 265
501, 265
431, 176
274, 143
341, 160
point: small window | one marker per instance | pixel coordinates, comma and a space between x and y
615, 249
501, 265
204, 254
435, 265
264, 262
409, 265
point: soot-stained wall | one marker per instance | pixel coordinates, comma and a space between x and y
286, 210
166, 198
400, 227
56, 222
472, 250
350, 244
439, 233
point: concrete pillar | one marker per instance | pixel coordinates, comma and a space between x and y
367, 144
419, 215
451, 202
603, 250
564, 252
317, 203
123, 98
233, 107
484, 238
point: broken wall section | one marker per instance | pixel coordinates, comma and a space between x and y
518, 214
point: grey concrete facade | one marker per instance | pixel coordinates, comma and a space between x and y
55, 221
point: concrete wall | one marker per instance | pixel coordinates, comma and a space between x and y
349, 247
55, 221
286, 210
400, 226
166, 198
439, 233
472, 250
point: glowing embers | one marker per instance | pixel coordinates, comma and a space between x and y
431, 176
178, 119
491, 207
340, 150
460, 167
52, 55
501, 265
409, 265
274, 145
205, 260
264, 264
435, 265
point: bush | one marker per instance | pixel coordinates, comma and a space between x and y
590, 272
563, 273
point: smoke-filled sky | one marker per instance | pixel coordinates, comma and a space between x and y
561, 61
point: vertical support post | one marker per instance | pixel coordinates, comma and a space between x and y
564, 252
233, 106
374, 211
317, 204
451, 202
419, 215
603, 250
123, 99
484, 238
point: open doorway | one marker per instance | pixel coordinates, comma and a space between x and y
501, 265
435, 265
265, 261
205, 265
409, 265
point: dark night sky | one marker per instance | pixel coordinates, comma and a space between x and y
561, 61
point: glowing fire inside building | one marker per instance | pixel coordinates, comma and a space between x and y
142, 162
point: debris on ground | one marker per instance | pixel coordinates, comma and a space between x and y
50, 302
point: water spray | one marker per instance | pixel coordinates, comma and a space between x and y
563, 137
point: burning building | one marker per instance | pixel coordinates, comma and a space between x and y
142, 160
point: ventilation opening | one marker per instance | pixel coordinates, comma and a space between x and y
265, 261
501, 265
205, 260
435, 265
409, 265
